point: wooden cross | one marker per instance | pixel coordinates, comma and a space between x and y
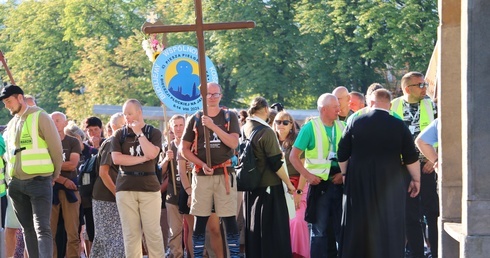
199, 28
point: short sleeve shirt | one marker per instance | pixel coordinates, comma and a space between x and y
430, 133
101, 192
70, 145
220, 151
131, 146
265, 145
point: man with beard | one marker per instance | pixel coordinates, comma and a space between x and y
34, 156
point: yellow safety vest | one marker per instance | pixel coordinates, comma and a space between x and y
3, 186
35, 158
426, 111
316, 160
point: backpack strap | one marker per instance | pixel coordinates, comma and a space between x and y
197, 119
123, 135
148, 130
227, 119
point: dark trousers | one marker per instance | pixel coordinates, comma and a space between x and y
425, 204
325, 231
430, 208
31, 199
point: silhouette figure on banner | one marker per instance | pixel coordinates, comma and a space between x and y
184, 85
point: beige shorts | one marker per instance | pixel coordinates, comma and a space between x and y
209, 190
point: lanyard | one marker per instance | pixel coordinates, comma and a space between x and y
413, 116
332, 140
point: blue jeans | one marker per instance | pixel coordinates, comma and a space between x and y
325, 232
32, 205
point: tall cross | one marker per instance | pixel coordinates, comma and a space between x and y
199, 28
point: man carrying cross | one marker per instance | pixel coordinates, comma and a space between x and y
213, 186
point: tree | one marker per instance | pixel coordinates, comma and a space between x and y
109, 77
298, 50
39, 58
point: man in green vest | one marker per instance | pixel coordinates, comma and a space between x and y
34, 157
418, 111
319, 139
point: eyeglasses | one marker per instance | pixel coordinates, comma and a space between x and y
284, 122
420, 85
214, 95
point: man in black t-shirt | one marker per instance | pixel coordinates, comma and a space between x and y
137, 187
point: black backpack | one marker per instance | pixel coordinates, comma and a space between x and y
147, 131
248, 176
87, 175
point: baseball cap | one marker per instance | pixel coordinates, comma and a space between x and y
10, 90
277, 106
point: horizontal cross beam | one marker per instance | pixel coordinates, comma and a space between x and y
149, 29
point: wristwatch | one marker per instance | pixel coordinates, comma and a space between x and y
141, 135
299, 191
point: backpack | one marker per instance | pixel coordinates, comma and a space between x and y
87, 175
248, 176
147, 131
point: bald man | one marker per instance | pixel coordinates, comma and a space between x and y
342, 94
138, 195
319, 139
66, 198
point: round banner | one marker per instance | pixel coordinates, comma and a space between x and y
175, 78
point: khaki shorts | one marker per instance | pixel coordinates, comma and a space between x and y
209, 190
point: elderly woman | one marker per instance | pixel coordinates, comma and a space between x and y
267, 225
285, 129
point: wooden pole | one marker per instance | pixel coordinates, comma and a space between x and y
2, 59
167, 135
201, 50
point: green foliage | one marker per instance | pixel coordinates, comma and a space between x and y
72, 54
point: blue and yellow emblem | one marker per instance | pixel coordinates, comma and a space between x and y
175, 78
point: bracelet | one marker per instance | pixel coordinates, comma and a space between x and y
65, 181
435, 161
187, 188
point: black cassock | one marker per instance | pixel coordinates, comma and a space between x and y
373, 223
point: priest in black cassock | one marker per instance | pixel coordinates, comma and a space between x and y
370, 157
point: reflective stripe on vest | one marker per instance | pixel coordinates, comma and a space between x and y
35, 157
426, 113
316, 159
3, 187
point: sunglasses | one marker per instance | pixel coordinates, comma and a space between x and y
284, 122
420, 85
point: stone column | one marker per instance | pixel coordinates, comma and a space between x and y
449, 109
475, 76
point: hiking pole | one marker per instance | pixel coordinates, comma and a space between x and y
172, 170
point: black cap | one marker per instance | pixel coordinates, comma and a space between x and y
277, 106
10, 90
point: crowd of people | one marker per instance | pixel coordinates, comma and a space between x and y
349, 182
